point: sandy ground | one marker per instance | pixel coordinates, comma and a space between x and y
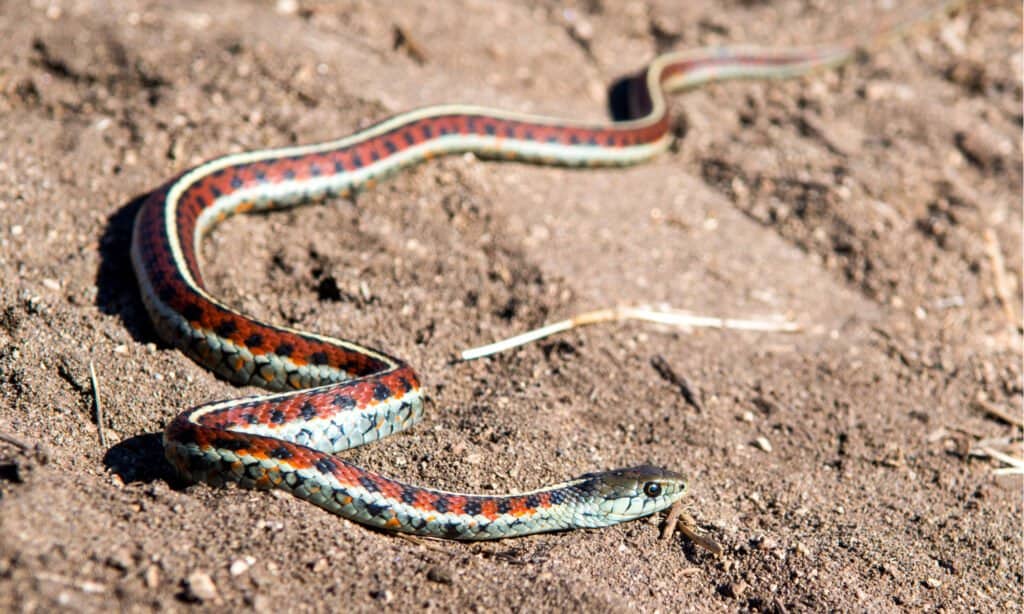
879, 205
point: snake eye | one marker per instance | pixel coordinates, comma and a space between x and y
652, 489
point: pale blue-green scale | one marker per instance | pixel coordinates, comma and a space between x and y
319, 498
350, 508
228, 456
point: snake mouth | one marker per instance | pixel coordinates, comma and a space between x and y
616, 517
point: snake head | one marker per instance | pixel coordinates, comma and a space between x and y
625, 494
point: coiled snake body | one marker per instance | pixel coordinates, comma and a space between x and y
334, 394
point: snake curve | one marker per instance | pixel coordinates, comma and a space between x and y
333, 394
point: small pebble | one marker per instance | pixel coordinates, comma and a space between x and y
764, 542
242, 565
152, 576
121, 559
734, 590
763, 443
440, 575
287, 7
199, 586
984, 147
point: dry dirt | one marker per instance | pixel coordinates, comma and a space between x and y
878, 204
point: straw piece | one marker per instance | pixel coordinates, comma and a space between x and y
671, 317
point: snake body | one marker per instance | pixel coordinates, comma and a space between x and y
333, 394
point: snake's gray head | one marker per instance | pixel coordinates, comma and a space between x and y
625, 494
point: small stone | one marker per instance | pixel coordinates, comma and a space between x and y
763, 542
260, 603
121, 559
733, 590
242, 565
583, 31
287, 7
199, 587
440, 575
933, 583
969, 75
763, 443
152, 576
887, 90
984, 147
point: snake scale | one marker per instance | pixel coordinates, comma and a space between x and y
331, 394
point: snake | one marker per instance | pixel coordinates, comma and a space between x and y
326, 394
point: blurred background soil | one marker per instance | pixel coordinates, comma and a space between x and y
879, 205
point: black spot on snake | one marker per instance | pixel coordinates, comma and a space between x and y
381, 392
376, 509
326, 466
192, 312
344, 402
368, 484
229, 444
226, 328
441, 505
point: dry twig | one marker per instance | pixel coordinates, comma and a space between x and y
678, 519
671, 317
671, 520
998, 449
98, 403
405, 41
688, 527
999, 281
15, 441
666, 371
991, 409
